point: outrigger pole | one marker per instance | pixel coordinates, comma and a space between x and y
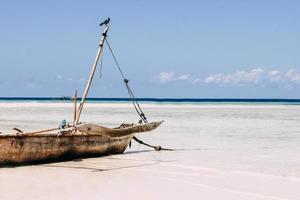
101, 43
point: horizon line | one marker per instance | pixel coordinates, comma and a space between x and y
155, 99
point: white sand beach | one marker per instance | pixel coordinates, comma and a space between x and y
236, 152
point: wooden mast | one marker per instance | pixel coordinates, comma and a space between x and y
101, 43
75, 107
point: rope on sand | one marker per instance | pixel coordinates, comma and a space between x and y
156, 148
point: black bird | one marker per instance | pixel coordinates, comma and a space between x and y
105, 22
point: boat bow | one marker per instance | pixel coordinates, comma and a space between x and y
123, 130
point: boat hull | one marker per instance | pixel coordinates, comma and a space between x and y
48, 148
84, 140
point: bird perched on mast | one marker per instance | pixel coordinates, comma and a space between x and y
105, 22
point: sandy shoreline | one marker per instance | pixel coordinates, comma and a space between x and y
126, 177
224, 152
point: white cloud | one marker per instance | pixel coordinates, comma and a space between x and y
274, 73
238, 78
275, 76
255, 76
183, 77
251, 77
165, 77
292, 76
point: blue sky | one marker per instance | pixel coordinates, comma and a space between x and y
196, 49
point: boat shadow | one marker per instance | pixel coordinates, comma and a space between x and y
95, 169
192, 149
63, 159
135, 152
55, 163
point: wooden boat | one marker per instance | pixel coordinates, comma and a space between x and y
84, 141
76, 140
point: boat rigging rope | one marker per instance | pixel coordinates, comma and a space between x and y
135, 103
133, 99
156, 148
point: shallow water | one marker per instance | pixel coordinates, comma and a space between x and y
255, 138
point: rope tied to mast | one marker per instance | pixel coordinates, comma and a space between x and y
135, 103
133, 99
